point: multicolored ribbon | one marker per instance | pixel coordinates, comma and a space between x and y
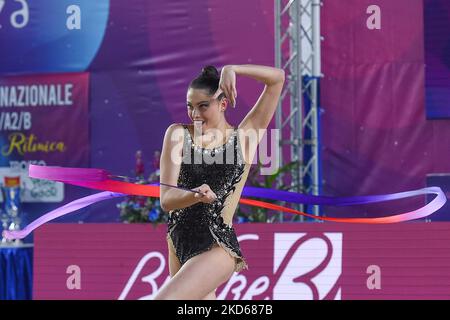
101, 180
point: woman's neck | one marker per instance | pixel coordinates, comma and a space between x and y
213, 137
224, 127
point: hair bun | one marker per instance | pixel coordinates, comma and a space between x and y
210, 72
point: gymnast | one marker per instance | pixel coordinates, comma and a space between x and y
210, 157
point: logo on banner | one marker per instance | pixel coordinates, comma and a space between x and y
140, 275
308, 266
145, 276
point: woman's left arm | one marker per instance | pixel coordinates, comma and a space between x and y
262, 112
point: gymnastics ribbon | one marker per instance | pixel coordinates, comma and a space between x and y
101, 180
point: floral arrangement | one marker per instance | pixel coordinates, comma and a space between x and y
139, 209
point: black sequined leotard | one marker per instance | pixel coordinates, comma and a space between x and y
197, 228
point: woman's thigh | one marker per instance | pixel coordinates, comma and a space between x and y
210, 296
199, 276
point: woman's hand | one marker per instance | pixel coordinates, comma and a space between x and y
206, 195
227, 84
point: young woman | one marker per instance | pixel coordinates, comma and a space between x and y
203, 247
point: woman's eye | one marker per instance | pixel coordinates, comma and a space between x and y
201, 106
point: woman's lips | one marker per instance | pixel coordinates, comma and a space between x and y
199, 122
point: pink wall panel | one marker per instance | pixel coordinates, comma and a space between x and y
286, 261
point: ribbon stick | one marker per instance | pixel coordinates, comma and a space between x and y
100, 179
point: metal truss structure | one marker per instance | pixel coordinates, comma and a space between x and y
297, 51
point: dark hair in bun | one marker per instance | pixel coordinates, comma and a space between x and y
207, 80
210, 72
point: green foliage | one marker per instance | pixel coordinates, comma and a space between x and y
139, 209
253, 214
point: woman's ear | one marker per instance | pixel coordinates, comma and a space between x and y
224, 104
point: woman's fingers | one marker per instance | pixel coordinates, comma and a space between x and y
233, 95
227, 83
214, 195
230, 94
206, 195
210, 196
198, 195
200, 192
225, 90
218, 92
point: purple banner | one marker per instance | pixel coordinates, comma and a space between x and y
437, 53
375, 135
44, 119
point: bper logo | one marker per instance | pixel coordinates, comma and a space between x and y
148, 277
307, 266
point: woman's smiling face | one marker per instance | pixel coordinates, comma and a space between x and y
201, 106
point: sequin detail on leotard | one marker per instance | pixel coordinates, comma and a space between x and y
197, 228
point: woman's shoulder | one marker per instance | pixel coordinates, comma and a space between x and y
175, 126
